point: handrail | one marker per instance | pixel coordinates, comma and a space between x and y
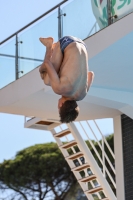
98, 155
104, 155
34, 21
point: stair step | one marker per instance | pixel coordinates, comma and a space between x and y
81, 167
74, 156
62, 133
94, 190
69, 144
88, 178
44, 123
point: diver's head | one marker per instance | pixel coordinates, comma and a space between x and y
68, 110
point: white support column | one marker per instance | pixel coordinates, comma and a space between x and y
91, 161
119, 166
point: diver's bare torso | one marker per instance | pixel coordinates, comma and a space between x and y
72, 69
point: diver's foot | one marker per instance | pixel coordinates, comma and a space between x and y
48, 42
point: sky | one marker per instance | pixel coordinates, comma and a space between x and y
14, 15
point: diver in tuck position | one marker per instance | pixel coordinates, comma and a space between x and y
65, 69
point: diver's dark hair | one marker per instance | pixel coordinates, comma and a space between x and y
68, 111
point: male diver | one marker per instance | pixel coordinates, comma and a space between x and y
65, 69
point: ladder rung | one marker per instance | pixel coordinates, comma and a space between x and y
94, 190
69, 144
44, 123
62, 133
88, 178
74, 156
81, 167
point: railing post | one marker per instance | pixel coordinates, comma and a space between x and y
16, 58
109, 12
103, 157
59, 23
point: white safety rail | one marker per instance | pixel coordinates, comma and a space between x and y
102, 152
89, 174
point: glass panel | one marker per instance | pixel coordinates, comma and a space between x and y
83, 18
120, 8
8, 47
31, 47
7, 71
26, 66
7, 62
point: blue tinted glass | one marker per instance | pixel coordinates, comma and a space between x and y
8, 47
31, 46
7, 71
7, 62
26, 66
80, 20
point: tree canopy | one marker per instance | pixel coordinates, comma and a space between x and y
37, 172
41, 172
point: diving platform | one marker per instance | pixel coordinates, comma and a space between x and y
111, 94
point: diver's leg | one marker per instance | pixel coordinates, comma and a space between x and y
47, 42
53, 54
57, 57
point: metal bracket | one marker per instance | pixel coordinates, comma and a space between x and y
64, 14
21, 72
115, 16
19, 42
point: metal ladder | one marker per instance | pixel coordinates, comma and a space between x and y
78, 157
83, 165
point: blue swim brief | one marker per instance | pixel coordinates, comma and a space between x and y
66, 40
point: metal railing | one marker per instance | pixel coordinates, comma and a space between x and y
17, 42
16, 56
100, 154
31, 23
104, 16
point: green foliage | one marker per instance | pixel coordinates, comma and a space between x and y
76, 193
38, 169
